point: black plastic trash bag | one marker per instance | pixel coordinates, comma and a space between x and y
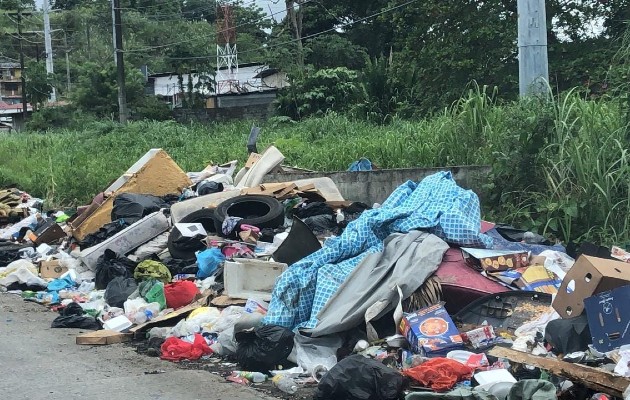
118, 290
109, 266
569, 335
72, 317
360, 378
132, 207
209, 187
264, 348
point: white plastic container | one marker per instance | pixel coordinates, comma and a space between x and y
117, 324
249, 278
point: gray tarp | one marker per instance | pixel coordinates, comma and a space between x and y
381, 281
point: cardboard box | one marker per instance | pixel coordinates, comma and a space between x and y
50, 232
51, 269
588, 276
154, 173
103, 337
431, 331
609, 318
496, 260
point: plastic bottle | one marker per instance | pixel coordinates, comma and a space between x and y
285, 384
146, 313
256, 377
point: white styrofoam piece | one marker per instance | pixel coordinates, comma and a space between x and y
118, 324
493, 376
191, 230
129, 238
249, 278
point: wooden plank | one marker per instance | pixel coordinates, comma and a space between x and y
593, 378
103, 337
286, 191
306, 188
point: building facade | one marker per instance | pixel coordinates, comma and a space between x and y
10, 81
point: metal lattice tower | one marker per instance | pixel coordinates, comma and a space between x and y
227, 54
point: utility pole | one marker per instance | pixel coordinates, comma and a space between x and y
120, 66
23, 78
114, 29
65, 44
49, 53
533, 68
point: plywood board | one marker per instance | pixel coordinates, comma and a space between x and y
156, 173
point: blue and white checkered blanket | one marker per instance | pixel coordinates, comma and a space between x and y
436, 204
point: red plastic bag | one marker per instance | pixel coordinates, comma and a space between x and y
180, 294
175, 349
439, 374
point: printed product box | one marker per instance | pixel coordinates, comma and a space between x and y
431, 331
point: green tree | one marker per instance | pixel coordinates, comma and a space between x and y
318, 92
333, 50
96, 91
39, 84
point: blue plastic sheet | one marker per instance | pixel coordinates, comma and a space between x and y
436, 204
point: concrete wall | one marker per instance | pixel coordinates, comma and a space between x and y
375, 186
258, 112
246, 100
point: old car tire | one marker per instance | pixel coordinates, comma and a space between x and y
259, 211
205, 217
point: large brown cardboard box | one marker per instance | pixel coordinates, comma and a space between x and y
155, 173
588, 276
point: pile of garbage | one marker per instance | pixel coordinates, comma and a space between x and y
292, 284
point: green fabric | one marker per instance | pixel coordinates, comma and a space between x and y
457, 394
152, 291
152, 269
532, 389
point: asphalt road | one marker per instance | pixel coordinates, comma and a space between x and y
37, 362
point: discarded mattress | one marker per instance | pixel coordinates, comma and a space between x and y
436, 204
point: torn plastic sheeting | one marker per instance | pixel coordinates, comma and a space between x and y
436, 204
21, 271
315, 352
370, 290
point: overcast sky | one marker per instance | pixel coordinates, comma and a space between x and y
276, 6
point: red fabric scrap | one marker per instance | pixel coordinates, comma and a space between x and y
175, 349
439, 374
180, 294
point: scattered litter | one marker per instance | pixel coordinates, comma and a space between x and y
313, 294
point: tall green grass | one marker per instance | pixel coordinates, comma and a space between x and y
560, 167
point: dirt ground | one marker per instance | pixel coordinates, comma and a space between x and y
38, 362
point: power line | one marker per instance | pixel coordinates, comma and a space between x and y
350, 23
206, 36
344, 25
